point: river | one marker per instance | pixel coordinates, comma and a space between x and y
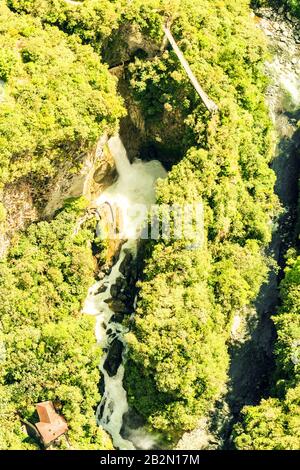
130, 198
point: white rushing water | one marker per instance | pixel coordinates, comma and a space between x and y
287, 77
133, 191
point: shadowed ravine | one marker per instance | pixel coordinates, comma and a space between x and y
252, 360
252, 340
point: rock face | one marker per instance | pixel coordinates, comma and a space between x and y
118, 306
97, 173
123, 292
145, 138
25, 202
106, 173
18, 201
280, 24
284, 70
150, 139
127, 42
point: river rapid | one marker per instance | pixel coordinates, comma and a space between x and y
130, 198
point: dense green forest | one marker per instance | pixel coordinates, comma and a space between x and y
50, 350
59, 98
188, 299
275, 423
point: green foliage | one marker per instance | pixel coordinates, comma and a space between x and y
12, 436
287, 322
50, 349
2, 213
177, 359
272, 425
294, 7
176, 338
178, 356
92, 20
58, 98
291, 6
275, 423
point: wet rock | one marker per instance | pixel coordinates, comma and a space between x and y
118, 306
113, 251
101, 289
117, 318
101, 409
114, 291
96, 249
101, 385
124, 298
101, 275
126, 265
118, 288
114, 358
105, 173
133, 420
107, 270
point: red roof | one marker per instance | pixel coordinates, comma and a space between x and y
51, 424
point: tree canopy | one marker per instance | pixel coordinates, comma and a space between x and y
58, 98
178, 358
50, 352
275, 423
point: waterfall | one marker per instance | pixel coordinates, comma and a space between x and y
133, 192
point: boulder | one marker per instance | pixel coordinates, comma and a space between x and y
118, 288
101, 289
126, 265
105, 174
117, 306
114, 358
117, 318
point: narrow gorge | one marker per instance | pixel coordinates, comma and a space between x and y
128, 199
251, 337
149, 225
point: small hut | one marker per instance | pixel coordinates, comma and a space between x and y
51, 424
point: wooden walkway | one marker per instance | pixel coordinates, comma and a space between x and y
210, 104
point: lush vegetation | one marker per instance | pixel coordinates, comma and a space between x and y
50, 350
275, 423
293, 6
177, 350
92, 20
58, 98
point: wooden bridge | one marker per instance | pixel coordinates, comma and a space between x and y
210, 104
